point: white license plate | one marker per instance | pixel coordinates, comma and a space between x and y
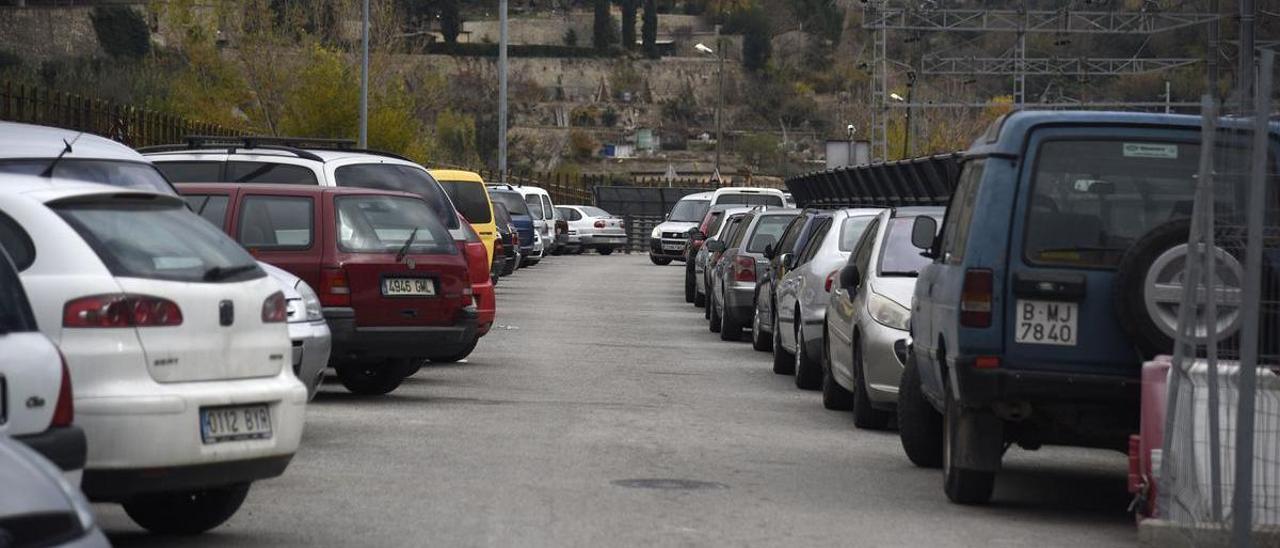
673, 247
1046, 322
408, 286
243, 422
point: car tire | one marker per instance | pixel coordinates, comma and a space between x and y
660, 261
919, 424
834, 396
690, 285
373, 378
963, 486
808, 373
609, 251
758, 340
699, 298
713, 315
186, 512
865, 416
730, 327
783, 363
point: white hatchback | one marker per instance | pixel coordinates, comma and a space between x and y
177, 345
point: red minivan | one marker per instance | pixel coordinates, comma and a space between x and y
394, 286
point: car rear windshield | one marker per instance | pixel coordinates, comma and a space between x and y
500, 215
513, 201
535, 205
1091, 200
470, 199
749, 199
592, 211
142, 237
689, 211
851, 231
403, 178
768, 229
382, 224
898, 256
121, 173
15, 310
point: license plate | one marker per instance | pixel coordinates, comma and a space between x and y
408, 286
1046, 322
242, 422
673, 247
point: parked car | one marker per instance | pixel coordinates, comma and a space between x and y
563, 244
705, 259
530, 251
543, 213
733, 279
308, 330
867, 319
33, 371
1030, 326
44, 509
176, 341
593, 228
469, 195
482, 292
710, 224
667, 240
793, 238
748, 196
394, 286
510, 238
803, 292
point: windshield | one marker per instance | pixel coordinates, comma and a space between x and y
689, 211
749, 199
382, 224
121, 173
768, 229
403, 178
898, 256
512, 201
592, 211
500, 215
145, 238
1088, 213
851, 231
470, 199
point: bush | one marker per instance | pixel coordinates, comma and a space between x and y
581, 145
121, 31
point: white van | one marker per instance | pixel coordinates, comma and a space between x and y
749, 196
543, 213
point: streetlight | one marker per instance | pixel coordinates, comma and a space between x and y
719, 98
896, 97
363, 141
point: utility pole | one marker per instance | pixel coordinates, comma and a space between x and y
1245, 79
502, 91
1215, 38
719, 106
1168, 97
363, 141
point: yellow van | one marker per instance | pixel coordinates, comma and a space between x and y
469, 195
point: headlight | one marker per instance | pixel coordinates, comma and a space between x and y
886, 312
656, 233
311, 301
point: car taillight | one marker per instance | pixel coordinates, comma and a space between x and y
471, 235
64, 411
975, 298
121, 310
744, 269
275, 309
334, 290
831, 278
600, 224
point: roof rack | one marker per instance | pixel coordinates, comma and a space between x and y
293, 145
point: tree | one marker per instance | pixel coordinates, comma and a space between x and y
602, 35
649, 29
628, 23
757, 39
450, 20
121, 31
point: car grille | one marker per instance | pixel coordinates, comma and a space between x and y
675, 235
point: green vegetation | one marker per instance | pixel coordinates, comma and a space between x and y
121, 31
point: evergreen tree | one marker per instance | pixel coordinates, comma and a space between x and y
649, 29
450, 20
602, 36
628, 23
757, 39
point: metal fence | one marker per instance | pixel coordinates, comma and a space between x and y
130, 125
919, 181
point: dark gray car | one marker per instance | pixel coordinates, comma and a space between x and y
733, 278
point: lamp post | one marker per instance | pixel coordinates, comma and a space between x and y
363, 141
719, 97
907, 130
502, 91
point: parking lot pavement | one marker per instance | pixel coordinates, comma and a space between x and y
601, 412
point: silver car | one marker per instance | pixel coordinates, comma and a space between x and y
705, 259
867, 319
733, 278
38, 507
307, 328
593, 228
802, 294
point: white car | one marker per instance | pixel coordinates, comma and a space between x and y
748, 196
308, 330
593, 228
176, 341
543, 213
33, 373
668, 240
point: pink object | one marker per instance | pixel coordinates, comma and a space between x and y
1155, 381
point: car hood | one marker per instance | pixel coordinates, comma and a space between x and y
676, 226
896, 288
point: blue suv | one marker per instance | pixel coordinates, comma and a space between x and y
1031, 324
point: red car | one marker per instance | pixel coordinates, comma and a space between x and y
395, 287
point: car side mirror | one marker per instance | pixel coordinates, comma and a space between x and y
768, 251
785, 260
850, 278
666, 217
716, 246
923, 232
696, 235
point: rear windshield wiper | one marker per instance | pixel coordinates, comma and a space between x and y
907, 273
218, 273
404, 249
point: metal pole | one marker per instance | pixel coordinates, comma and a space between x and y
1168, 97
502, 91
363, 141
719, 107
1242, 499
1215, 34
1245, 78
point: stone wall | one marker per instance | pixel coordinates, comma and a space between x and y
42, 33
551, 29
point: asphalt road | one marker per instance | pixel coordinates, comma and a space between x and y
603, 413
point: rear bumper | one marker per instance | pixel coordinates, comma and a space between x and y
985, 386
64, 446
740, 301
603, 240
121, 485
658, 248
351, 341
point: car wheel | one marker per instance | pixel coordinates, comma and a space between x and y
919, 424
186, 512
962, 485
660, 261
758, 340
864, 416
808, 374
834, 396
373, 378
690, 285
713, 315
699, 298
783, 363
730, 327
609, 250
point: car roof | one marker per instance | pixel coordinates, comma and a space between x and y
780, 211
456, 175
31, 141
916, 211
296, 190
48, 189
314, 154
698, 196
1005, 136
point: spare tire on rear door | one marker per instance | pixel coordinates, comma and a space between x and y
1148, 289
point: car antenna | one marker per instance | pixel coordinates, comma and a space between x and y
48, 171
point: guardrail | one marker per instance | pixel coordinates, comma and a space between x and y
638, 229
929, 180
